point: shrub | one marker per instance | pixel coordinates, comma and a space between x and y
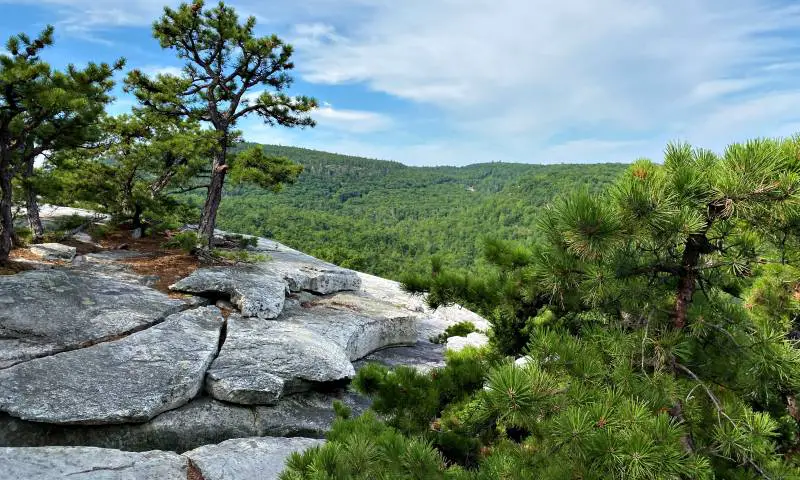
460, 329
186, 241
241, 256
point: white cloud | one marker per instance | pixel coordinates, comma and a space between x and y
354, 121
507, 77
506, 68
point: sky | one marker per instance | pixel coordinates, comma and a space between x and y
455, 82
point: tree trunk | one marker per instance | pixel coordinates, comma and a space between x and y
136, 221
34, 221
687, 280
32, 204
208, 219
6, 219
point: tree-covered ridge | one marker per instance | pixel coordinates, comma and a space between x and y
386, 218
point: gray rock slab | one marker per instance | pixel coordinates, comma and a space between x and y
248, 458
53, 251
474, 339
256, 293
432, 322
301, 271
201, 422
260, 362
304, 272
43, 312
358, 324
423, 356
127, 380
90, 463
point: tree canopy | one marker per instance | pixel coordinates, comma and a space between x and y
41, 111
224, 63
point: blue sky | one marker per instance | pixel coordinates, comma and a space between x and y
432, 82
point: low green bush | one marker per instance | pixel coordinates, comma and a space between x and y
460, 329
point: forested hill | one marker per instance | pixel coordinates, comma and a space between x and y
384, 217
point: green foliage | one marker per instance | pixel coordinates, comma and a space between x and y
42, 110
365, 449
225, 63
241, 256
460, 329
254, 166
389, 219
186, 241
659, 324
133, 173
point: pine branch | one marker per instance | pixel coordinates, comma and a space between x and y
188, 189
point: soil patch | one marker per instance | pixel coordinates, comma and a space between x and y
168, 264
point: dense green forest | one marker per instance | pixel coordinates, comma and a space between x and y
387, 218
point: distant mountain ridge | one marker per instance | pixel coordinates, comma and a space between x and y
384, 217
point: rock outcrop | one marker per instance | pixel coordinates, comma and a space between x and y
53, 251
201, 422
90, 356
43, 312
255, 292
356, 323
128, 380
245, 458
241, 458
261, 362
474, 339
89, 463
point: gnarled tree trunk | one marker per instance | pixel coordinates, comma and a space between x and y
6, 218
208, 219
34, 221
696, 245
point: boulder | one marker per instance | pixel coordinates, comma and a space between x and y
260, 362
523, 361
201, 422
431, 322
255, 292
356, 323
53, 251
90, 463
127, 380
43, 312
304, 272
474, 339
245, 458
424, 356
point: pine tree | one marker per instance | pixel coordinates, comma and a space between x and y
225, 63
134, 170
658, 323
42, 111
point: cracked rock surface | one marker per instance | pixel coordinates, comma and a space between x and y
47, 311
200, 422
255, 292
260, 362
89, 463
243, 458
128, 380
356, 323
90, 356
